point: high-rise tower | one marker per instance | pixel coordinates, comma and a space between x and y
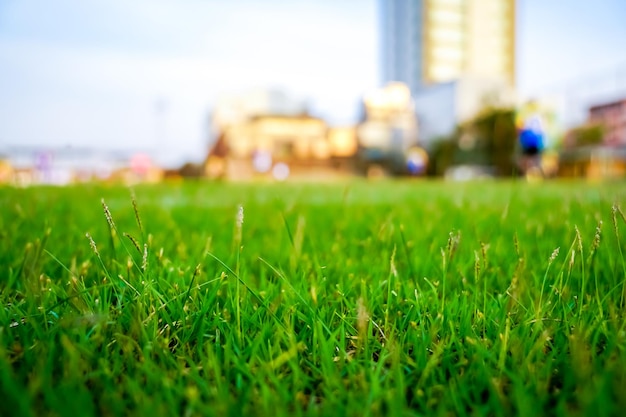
456, 56
425, 42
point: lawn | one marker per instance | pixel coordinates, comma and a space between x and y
357, 298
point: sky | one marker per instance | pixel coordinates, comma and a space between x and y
145, 74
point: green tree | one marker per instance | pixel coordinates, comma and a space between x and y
488, 139
585, 135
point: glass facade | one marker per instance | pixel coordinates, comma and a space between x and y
432, 41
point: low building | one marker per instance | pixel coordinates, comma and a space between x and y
280, 146
61, 166
597, 149
613, 117
6, 171
265, 141
593, 162
388, 136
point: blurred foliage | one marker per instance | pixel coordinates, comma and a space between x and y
442, 155
585, 135
490, 139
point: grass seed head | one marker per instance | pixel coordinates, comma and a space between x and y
133, 199
239, 215
133, 241
362, 318
144, 260
555, 253
239, 224
92, 244
453, 243
614, 210
107, 214
579, 239
484, 248
392, 263
596, 238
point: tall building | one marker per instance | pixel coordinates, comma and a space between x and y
432, 41
455, 56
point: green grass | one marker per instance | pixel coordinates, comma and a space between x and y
395, 298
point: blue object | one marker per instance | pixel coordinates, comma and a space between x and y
531, 139
531, 135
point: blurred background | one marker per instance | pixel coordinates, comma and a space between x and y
311, 89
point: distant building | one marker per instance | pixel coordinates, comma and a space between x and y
456, 56
6, 171
593, 162
441, 107
425, 42
67, 165
271, 135
390, 121
389, 133
598, 148
612, 116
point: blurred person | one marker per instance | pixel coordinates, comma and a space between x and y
531, 137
